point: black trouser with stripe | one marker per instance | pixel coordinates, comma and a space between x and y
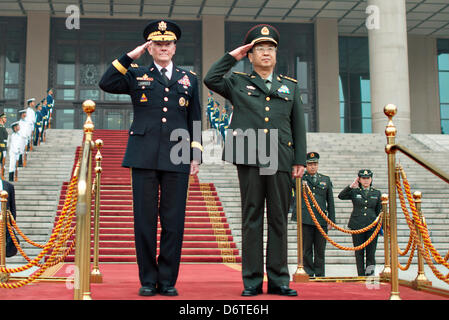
255, 189
161, 270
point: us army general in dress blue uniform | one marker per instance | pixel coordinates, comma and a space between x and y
163, 103
262, 108
367, 205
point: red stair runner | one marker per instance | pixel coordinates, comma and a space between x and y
207, 237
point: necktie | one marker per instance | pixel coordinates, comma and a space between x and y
268, 84
164, 76
314, 178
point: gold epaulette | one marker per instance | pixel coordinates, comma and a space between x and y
192, 72
288, 78
134, 65
241, 73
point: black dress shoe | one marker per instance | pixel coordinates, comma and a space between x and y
283, 291
168, 291
147, 291
251, 291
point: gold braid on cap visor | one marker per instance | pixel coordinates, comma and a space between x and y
159, 36
261, 39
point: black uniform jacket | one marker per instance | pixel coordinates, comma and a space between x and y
365, 208
261, 109
323, 193
159, 110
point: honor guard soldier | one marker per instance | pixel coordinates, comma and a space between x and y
166, 109
263, 102
3, 143
38, 125
31, 120
314, 244
23, 133
367, 205
14, 151
50, 105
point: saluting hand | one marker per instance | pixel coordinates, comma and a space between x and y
355, 183
139, 51
241, 52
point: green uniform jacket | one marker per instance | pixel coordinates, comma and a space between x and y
260, 109
322, 191
3, 138
365, 208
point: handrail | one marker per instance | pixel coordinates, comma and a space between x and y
83, 210
418, 159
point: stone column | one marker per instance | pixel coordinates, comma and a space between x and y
37, 55
389, 74
213, 48
327, 72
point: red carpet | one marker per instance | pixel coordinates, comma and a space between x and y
203, 282
207, 237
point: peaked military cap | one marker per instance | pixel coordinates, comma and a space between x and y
30, 100
261, 33
22, 111
2, 115
14, 124
162, 30
312, 157
365, 173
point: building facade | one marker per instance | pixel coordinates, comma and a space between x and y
350, 57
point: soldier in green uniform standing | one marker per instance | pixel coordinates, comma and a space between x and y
367, 205
267, 115
314, 244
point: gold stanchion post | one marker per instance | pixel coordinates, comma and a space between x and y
421, 278
386, 272
4, 276
96, 276
83, 210
300, 275
390, 111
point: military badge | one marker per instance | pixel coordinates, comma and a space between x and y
265, 31
284, 89
250, 88
143, 98
184, 81
182, 101
162, 26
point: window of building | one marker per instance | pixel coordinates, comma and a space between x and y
79, 58
295, 58
443, 78
12, 65
354, 78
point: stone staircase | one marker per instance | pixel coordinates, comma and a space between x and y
341, 156
39, 185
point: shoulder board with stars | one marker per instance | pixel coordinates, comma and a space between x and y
288, 78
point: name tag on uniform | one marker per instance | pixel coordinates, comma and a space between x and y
143, 83
250, 88
358, 195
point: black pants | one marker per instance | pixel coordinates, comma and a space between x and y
161, 270
314, 245
369, 251
255, 189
